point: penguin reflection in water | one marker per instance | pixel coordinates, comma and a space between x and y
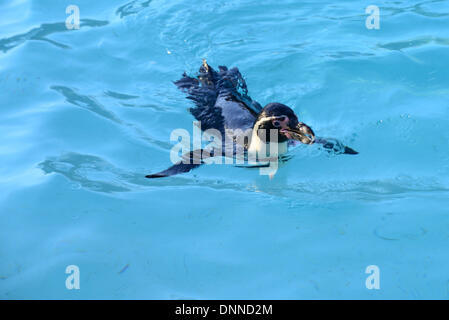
241, 128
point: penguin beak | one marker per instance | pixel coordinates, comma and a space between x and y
301, 132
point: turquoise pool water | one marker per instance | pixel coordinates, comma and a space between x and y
86, 113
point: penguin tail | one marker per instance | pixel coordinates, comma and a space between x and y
187, 83
206, 79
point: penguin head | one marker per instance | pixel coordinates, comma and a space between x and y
282, 119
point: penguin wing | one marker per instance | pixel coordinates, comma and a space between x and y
334, 146
190, 161
221, 98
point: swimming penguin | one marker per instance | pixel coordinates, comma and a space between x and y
222, 104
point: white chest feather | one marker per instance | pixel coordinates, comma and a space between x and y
271, 149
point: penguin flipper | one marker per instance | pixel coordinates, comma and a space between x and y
175, 169
254, 166
335, 146
190, 161
349, 150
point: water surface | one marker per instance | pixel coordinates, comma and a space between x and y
87, 113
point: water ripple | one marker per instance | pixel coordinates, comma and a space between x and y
132, 7
89, 103
96, 174
120, 96
413, 43
417, 9
90, 172
41, 33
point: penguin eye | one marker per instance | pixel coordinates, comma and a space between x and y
278, 122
